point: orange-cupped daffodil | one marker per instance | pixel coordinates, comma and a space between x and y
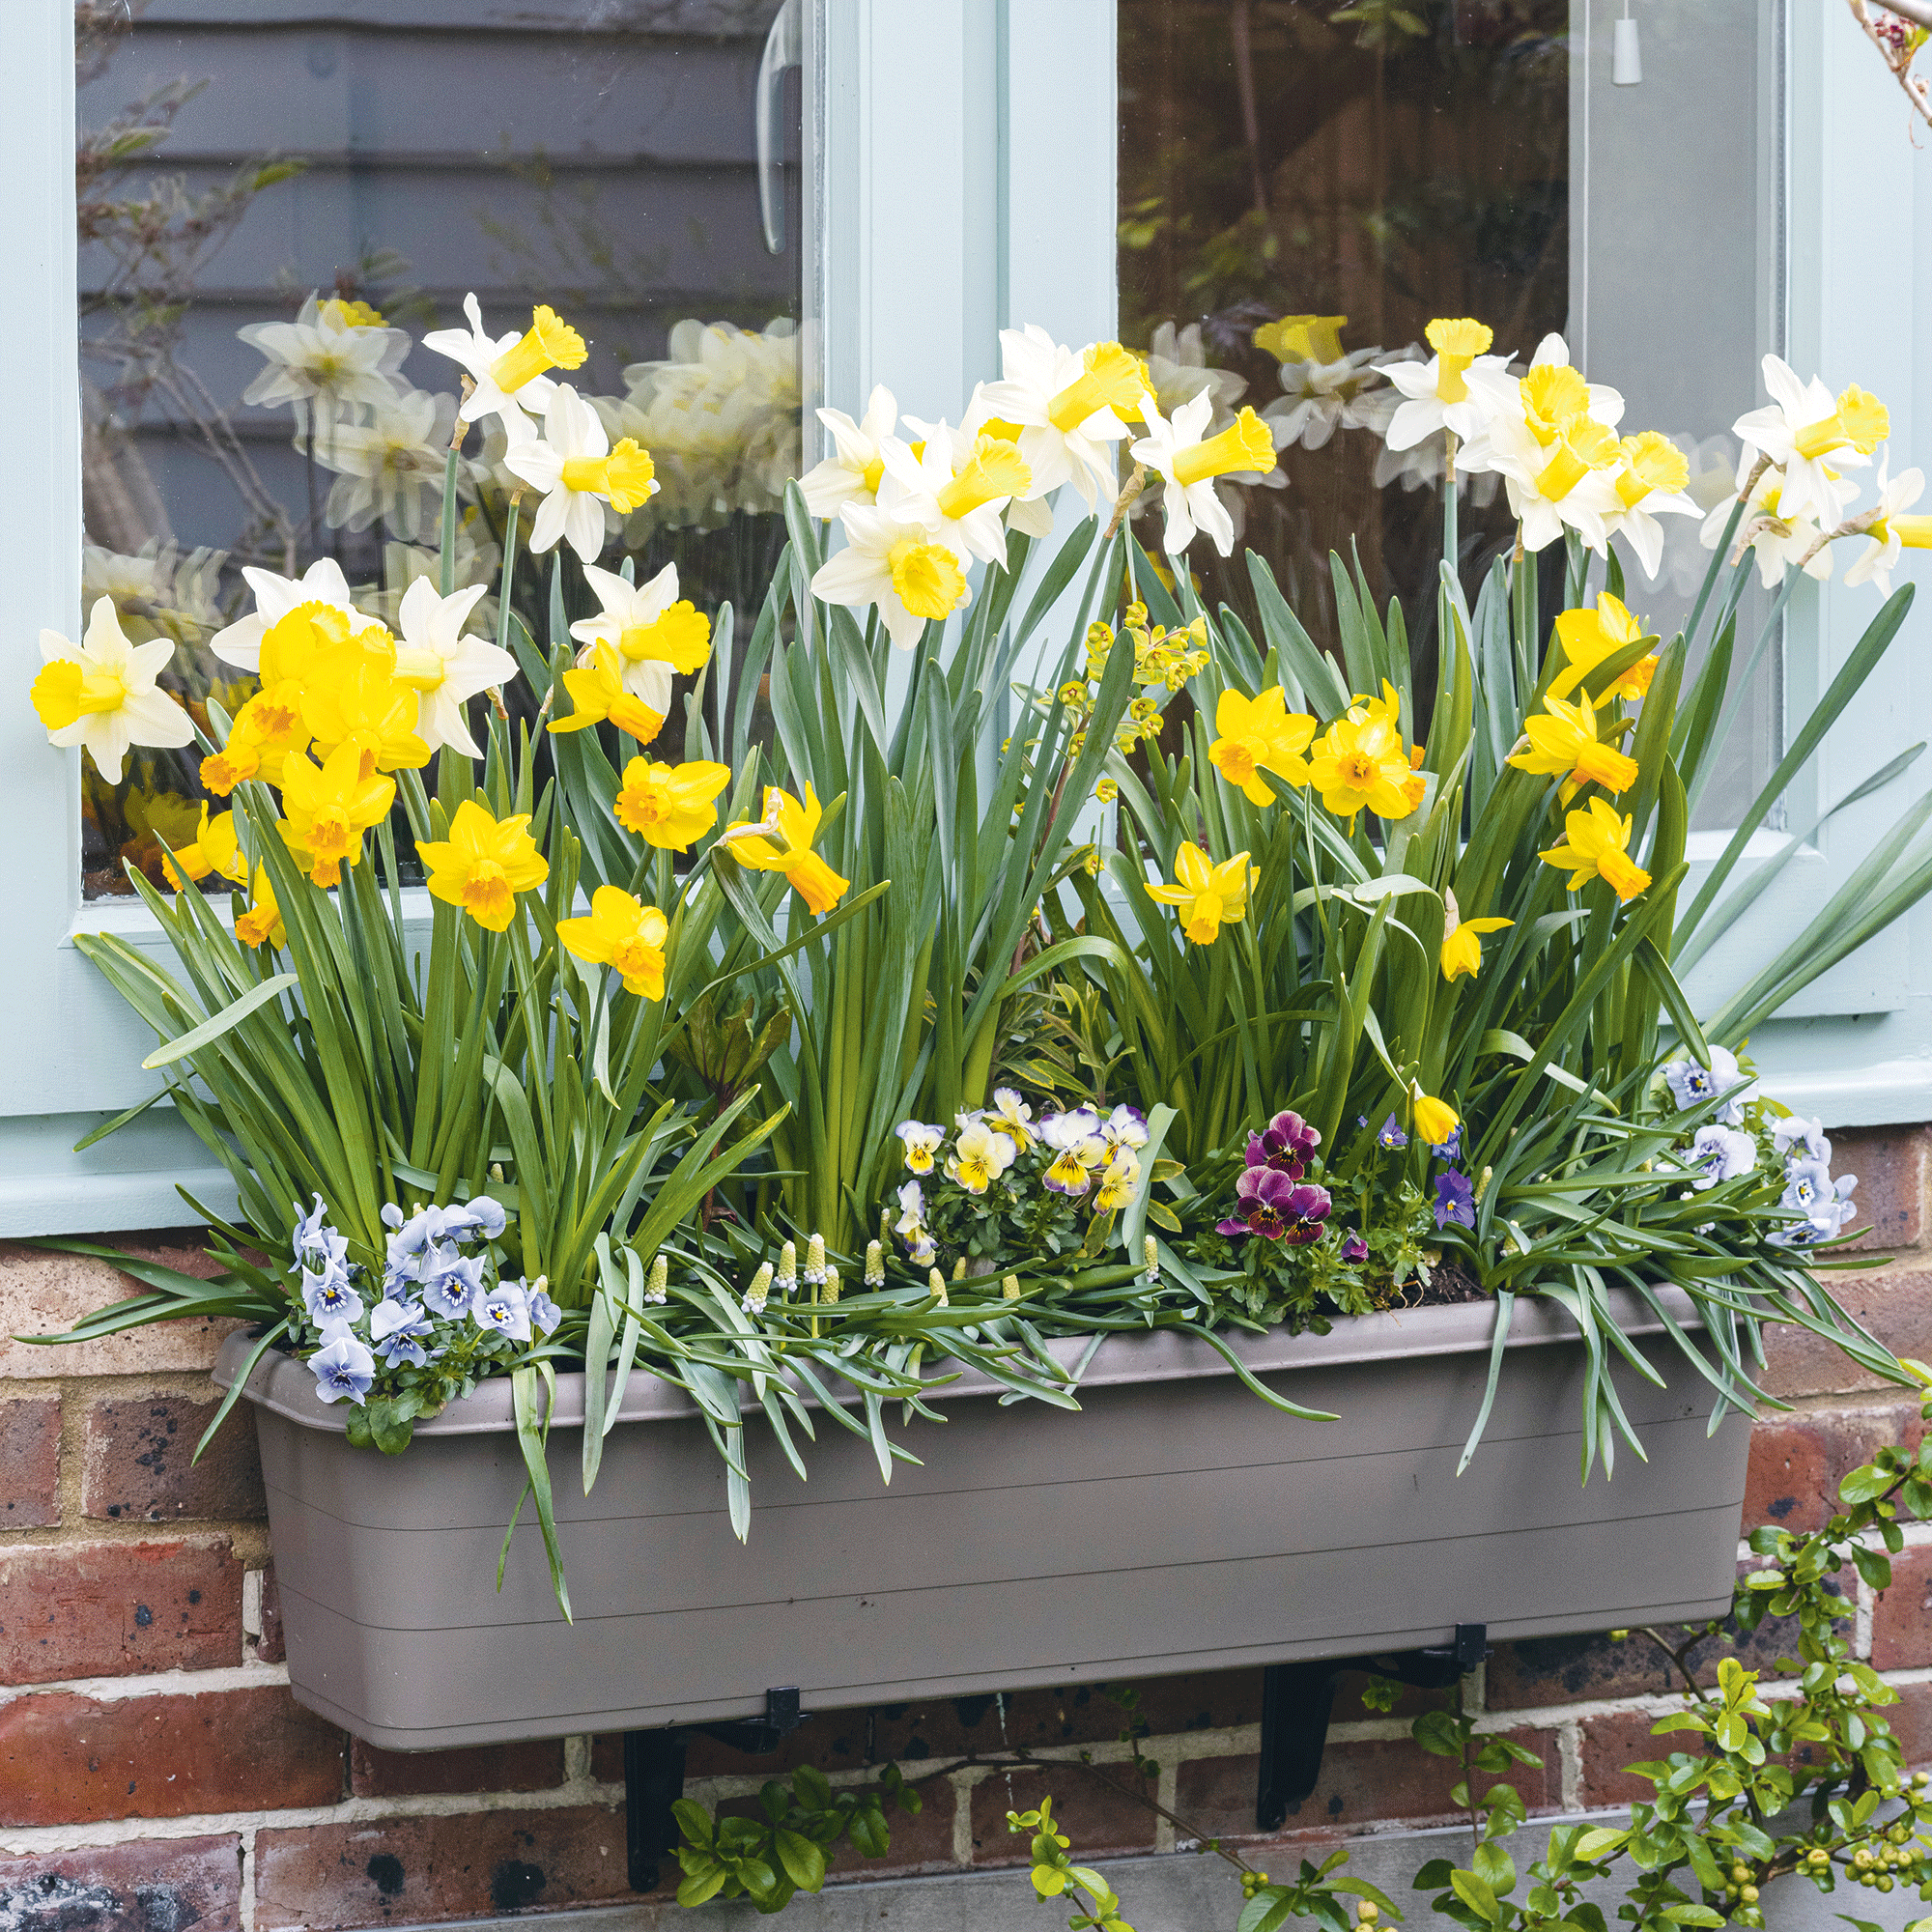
624, 933
215, 848
794, 826
1256, 734
267, 728
1462, 942
263, 921
1590, 636
1562, 738
1361, 762
670, 806
1598, 847
1209, 895
331, 805
484, 863
597, 692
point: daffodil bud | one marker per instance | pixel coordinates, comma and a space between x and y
936, 1283
759, 1291
787, 1275
815, 1259
1010, 1287
829, 1292
875, 1265
659, 1288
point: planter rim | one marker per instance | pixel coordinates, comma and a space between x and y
286, 1388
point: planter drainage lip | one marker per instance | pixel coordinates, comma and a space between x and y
285, 1386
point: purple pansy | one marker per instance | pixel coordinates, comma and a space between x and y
1455, 1200
1354, 1248
1390, 1134
1269, 1203
343, 1367
1287, 1144
1452, 1148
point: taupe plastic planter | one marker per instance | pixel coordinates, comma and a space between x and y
1176, 1524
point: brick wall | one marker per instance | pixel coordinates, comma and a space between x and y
155, 1770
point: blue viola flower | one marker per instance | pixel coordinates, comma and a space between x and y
505, 1311
1452, 1148
453, 1284
329, 1297
1691, 1083
318, 1248
343, 1366
545, 1313
1390, 1134
483, 1217
399, 1329
1455, 1200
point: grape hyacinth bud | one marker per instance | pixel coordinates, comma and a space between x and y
1009, 1287
960, 1268
658, 1290
787, 1275
814, 1259
885, 1227
759, 1291
875, 1265
830, 1293
1150, 1252
936, 1284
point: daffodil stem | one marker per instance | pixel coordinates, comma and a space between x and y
509, 577
447, 577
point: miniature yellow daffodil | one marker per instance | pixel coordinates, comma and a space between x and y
598, 696
670, 806
794, 826
355, 696
262, 924
979, 1155
101, 694
484, 863
624, 933
1589, 636
267, 728
1360, 763
1208, 895
1598, 841
1462, 945
216, 848
288, 650
331, 805
1256, 733
1434, 1119
1562, 738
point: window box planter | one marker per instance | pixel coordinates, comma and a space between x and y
1176, 1524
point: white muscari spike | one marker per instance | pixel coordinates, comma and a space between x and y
759, 1291
936, 1283
815, 1259
831, 1290
787, 1275
875, 1265
1151, 1253
659, 1288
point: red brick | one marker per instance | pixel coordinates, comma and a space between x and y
1894, 1302
270, 1646
141, 1888
1798, 1459
107, 1609
523, 1767
139, 1462
921, 1841
66, 1759
1610, 1744
29, 1439
1902, 1615
1911, 1722
325, 1877
1360, 1785
1094, 1808
1893, 1166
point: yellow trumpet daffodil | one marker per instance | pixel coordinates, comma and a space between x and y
1434, 1120
1461, 943
1598, 841
353, 696
1436, 392
906, 568
445, 666
795, 826
101, 694
1188, 460
598, 696
216, 848
1209, 895
624, 933
1256, 734
1589, 636
670, 806
1813, 439
1302, 338
654, 632
484, 863
290, 648
508, 370
1562, 738
1360, 763
322, 582
331, 805
1067, 406
853, 471
1649, 484
261, 923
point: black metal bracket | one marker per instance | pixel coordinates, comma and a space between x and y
1297, 1700
654, 1776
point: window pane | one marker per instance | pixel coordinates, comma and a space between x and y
1304, 187
273, 214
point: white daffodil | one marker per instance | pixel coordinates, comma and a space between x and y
1892, 530
508, 370
1436, 393
1651, 483
1178, 371
851, 473
334, 352
1030, 513
1068, 408
385, 464
897, 563
654, 633
956, 485
99, 694
1548, 393
442, 666
1188, 461
322, 582
1776, 538
579, 472
1318, 398
1803, 425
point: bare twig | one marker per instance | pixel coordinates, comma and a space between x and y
1899, 58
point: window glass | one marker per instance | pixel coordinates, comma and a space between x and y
276, 206
1304, 185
